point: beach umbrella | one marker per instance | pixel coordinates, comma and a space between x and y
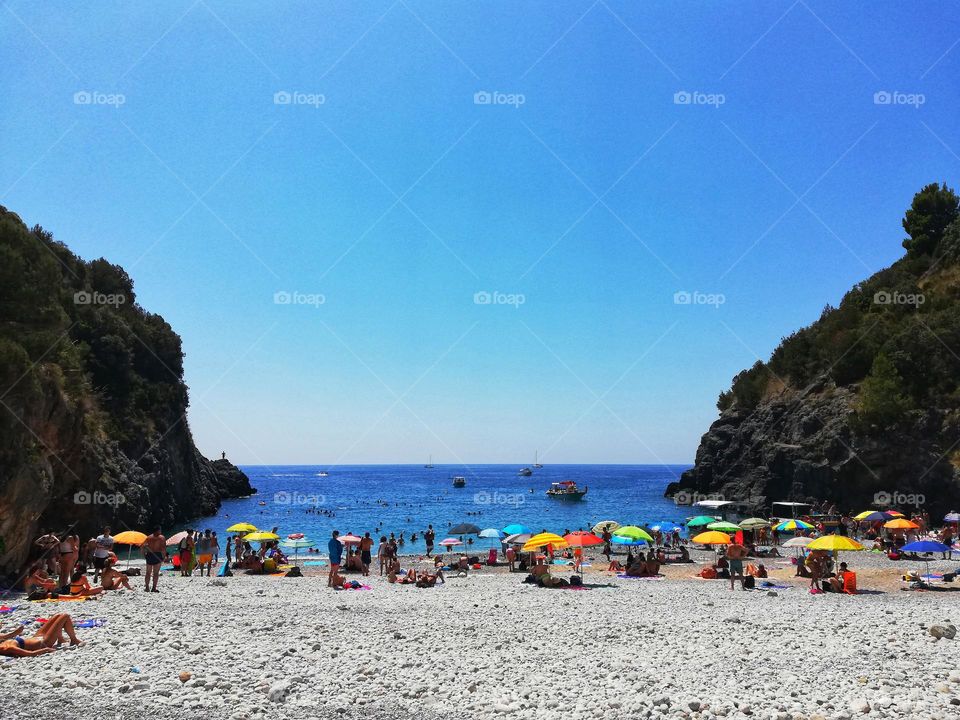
450, 542
295, 536
870, 516
175, 539
608, 525
701, 521
665, 527
260, 536
623, 540
131, 538
799, 541
633, 532
297, 543
491, 533
723, 526
581, 538
464, 529
835, 543
516, 529
242, 528
349, 539
893, 513
901, 524
926, 546
754, 523
542, 540
952, 517
788, 525
517, 538
712, 537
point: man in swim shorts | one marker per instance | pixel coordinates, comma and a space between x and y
428, 538
205, 552
103, 550
153, 548
366, 545
735, 555
335, 550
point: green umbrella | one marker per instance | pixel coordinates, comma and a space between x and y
700, 521
754, 523
633, 532
297, 543
723, 526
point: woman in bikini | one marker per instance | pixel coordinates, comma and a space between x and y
69, 552
79, 585
45, 640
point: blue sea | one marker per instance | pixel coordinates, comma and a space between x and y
392, 498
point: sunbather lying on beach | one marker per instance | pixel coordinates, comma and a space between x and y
111, 579
45, 640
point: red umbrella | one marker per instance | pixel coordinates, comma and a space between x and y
582, 538
349, 539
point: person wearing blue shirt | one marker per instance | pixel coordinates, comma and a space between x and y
335, 549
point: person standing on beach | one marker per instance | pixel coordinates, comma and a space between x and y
382, 550
735, 555
205, 552
69, 552
48, 543
103, 549
215, 546
153, 549
335, 550
366, 545
428, 538
185, 549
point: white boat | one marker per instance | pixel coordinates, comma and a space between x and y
322, 474
525, 472
459, 481
566, 490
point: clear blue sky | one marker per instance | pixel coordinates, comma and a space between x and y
398, 198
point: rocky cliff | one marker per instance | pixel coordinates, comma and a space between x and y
93, 426
862, 407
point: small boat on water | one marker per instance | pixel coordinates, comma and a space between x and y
536, 461
525, 472
566, 490
429, 465
322, 474
459, 481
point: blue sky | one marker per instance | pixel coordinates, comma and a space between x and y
586, 188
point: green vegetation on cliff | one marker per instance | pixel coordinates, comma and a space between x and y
895, 336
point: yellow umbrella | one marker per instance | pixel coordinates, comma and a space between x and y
712, 537
242, 528
633, 532
261, 536
834, 542
129, 537
538, 541
898, 524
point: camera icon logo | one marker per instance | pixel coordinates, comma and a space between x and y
882, 297
282, 297
682, 297
482, 298
882, 97
882, 498
282, 498
83, 97
82, 298
682, 498
282, 97
482, 97
682, 97
82, 498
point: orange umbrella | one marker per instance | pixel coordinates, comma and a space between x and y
901, 524
582, 538
712, 537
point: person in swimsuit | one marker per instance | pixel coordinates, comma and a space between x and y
69, 552
428, 538
111, 579
186, 554
79, 585
104, 546
153, 549
366, 545
45, 640
735, 555
335, 550
205, 552
38, 580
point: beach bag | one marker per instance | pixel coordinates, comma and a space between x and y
576, 581
131, 572
709, 573
294, 572
749, 582
850, 583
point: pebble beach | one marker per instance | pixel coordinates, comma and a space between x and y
487, 645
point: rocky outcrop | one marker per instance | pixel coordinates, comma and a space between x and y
802, 446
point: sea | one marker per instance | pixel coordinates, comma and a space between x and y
384, 499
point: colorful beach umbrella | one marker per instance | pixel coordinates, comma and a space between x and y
623, 540
723, 526
952, 517
926, 546
901, 524
349, 539
893, 513
297, 543
870, 516
516, 529
450, 542
633, 532
242, 528
608, 525
665, 527
754, 523
175, 539
543, 539
712, 537
701, 521
517, 538
788, 525
130, 537
260, 536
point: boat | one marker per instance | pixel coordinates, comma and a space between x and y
459, 481
536, 462
566, 490
322, 474
525, 472
429, 465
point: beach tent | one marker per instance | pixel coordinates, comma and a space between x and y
608, 525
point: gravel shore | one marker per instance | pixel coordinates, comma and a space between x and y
486, 645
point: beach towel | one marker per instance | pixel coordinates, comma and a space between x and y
642, 577
5, 609
167, 567
771, 586
64, 598
315, 563
89, 623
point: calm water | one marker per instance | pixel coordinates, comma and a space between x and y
397, 498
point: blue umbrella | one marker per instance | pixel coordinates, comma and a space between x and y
491, 533
925, 546
666, 527
621, 540
516, 529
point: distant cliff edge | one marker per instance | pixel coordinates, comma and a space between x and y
93, 426
863, 406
